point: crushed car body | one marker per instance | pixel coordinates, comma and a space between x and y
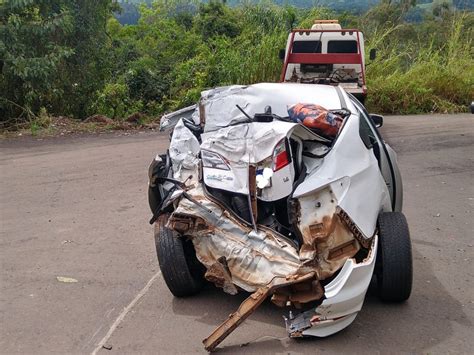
279, 190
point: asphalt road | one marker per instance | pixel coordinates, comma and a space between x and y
77, 208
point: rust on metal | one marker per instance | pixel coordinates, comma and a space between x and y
328, 243
219, 274
320, 230
186, 225
245, 309
253, 190
347, 249
281, 297
298, 294
307, 292
365, 242
316, 229
202, 114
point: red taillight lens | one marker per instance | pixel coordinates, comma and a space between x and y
280, 156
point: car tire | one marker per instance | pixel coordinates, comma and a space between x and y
394, 264
181, 270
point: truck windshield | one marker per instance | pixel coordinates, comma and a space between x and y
342, 47
306, 47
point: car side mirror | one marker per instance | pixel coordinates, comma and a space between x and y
373, 53
281, 54
472, 107
377, 120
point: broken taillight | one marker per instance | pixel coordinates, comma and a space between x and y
280, 156
213, 160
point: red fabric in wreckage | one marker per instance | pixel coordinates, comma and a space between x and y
316, 118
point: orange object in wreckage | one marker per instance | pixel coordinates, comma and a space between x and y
316, 118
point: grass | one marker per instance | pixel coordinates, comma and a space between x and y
423, 78
41, 123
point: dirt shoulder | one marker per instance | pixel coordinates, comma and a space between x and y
53, 127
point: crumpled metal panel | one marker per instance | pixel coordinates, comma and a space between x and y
251, 143
218, 105
254, 258
326, 237
344, 299
184, 150
170, 120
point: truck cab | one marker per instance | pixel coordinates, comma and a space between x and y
326, 54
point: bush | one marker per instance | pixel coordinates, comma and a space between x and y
429, 78
114, 101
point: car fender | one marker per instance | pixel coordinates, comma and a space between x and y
352, 168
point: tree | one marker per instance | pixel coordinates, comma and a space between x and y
215, 19
53, 55
87, 69
32, 50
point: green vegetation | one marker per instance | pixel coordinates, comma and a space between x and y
433, 74
73, 58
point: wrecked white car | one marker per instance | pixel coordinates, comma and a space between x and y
285, 191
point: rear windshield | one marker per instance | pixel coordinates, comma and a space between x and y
306, 47
342, 47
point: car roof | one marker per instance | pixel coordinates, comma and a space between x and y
290, 93
219, 105
254, 98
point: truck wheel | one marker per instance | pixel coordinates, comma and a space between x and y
181, 270
394, 265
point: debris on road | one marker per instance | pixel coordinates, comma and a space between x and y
66, 279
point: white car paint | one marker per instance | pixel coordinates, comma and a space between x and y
344, 298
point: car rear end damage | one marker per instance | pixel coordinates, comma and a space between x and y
264, 262
275, 209
267, 263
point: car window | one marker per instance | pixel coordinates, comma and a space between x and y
306, 47
342, 47
366, 133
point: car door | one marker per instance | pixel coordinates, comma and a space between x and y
386, 157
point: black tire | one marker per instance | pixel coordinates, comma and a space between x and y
181, 270
394, 265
